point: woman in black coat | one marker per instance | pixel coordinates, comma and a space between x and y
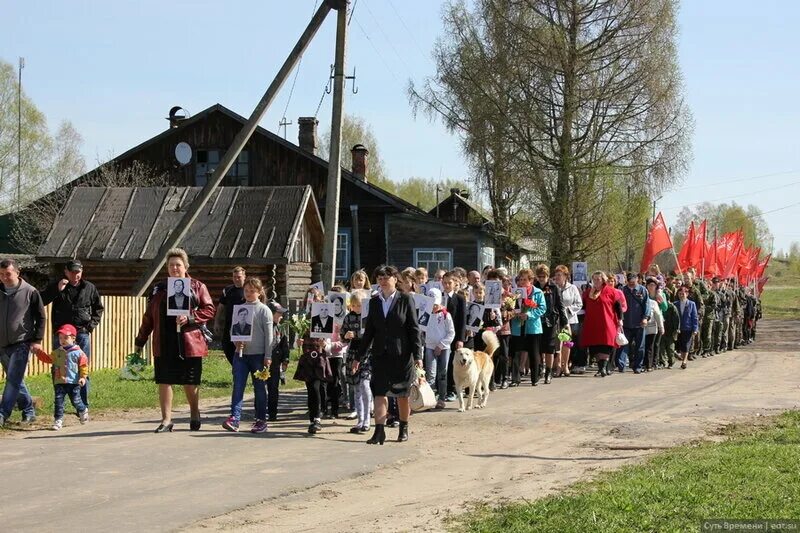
393, 334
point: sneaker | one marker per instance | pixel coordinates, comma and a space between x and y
231, 424
260, 426
352, 415
84, 416
272, 418
58, 424
28, 418
504, 385
451, 397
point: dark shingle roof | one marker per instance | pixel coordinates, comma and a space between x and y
131, 223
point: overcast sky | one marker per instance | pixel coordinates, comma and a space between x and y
115, 68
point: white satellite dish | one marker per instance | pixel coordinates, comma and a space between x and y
183, 153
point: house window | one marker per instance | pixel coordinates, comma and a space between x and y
208, 161
433, 259
343, 254
487, 257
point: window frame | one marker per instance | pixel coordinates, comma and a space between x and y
448, 251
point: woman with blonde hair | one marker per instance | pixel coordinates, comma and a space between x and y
571, 299
179, 342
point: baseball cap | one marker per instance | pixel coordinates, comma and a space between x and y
74, 266
436, 294
67, 329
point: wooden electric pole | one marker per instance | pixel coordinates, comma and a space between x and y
335, 163
235, 149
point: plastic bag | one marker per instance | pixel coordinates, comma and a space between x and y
421, 396
621, 339
134, 367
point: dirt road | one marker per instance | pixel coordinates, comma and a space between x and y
528, 442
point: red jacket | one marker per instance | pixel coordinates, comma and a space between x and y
201, 308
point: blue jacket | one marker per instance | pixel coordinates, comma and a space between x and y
689, 320
533, 325
638, 301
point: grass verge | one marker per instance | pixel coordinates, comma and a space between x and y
782, 302
752, 475
110, 392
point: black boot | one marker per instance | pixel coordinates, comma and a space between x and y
548, 375
379, 436
403, 435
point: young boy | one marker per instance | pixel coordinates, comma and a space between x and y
70, 368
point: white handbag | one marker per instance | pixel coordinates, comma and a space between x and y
421, 396
621, 340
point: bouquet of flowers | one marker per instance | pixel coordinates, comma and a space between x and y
134, 366
509, 303
566, 338
528, 304
262, 374
298, 323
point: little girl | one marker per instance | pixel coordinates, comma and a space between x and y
358, 381
252, 357
438, 338
491, 321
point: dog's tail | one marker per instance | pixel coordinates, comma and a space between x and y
491, 341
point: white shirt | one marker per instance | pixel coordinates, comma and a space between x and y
386, 302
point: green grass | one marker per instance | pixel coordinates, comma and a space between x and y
110, 392
752, 475
781, 302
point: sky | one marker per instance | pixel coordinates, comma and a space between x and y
114, 69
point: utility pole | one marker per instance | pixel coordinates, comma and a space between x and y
235, 149
334, 162
19, 134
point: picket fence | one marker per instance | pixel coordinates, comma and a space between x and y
113, 339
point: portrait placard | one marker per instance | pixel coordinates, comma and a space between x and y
242, 327
321, 320
493, 298
475, 316
424, 305
179, 296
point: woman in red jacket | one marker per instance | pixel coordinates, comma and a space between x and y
179, 343
602, 321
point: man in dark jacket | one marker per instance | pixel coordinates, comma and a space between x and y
635, 319
77, 302
22, 324
456, 305
231, 295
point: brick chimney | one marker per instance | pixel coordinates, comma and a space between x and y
360, 153
307, 134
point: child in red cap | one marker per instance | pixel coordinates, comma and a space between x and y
70, 368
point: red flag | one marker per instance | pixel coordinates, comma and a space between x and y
748, 265
760, 283
712, 269
686, 249
762, 267
658, 240
698, 250
732, 261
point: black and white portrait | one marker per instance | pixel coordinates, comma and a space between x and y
364, 313
580, 272
242, 326
339, 301
179, 295
520, 293
493, 298
321, 320
424, 305
474, 316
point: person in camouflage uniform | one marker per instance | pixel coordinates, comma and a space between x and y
710, 319
742, 299
736, 315
721, 332
696, 296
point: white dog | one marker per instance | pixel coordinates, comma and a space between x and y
474, 370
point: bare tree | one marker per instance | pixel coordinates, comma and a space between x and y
583, 98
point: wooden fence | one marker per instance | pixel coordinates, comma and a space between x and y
113, 339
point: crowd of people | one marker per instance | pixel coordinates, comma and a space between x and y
364, 371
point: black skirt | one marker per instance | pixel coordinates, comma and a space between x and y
548, 340
170, 369
392, 376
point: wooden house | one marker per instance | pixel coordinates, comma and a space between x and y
275, 233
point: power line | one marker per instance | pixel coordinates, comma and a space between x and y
386, 36
737, 180
408, 30
294, 81
736, 196
377, 51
